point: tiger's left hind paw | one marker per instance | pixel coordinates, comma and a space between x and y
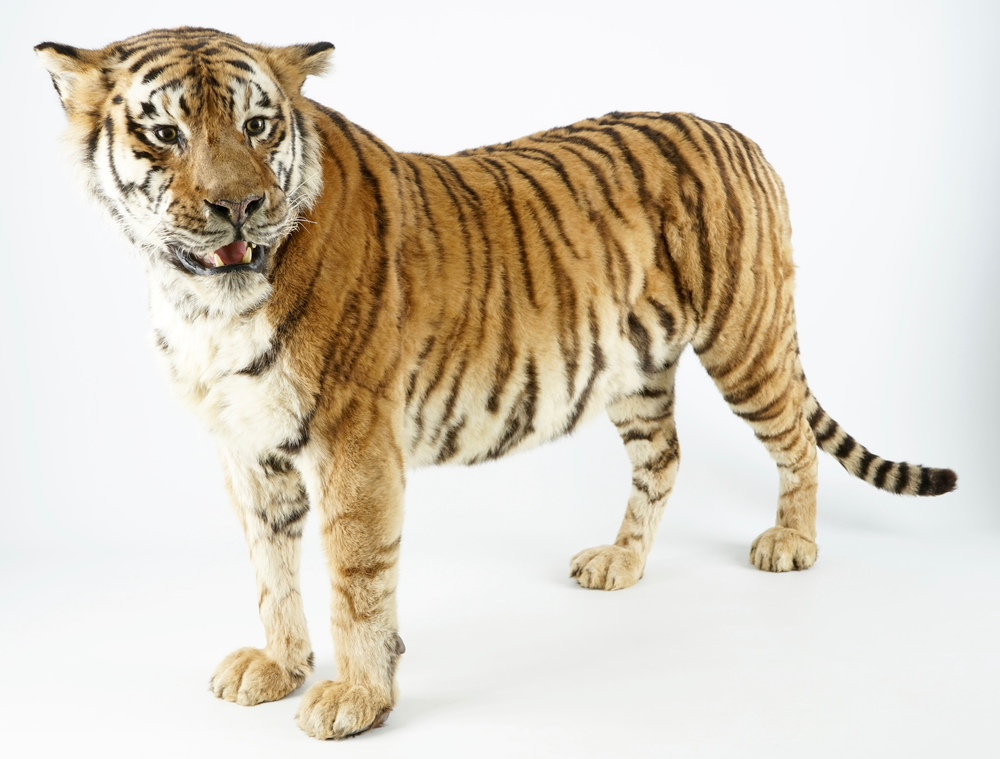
781, 549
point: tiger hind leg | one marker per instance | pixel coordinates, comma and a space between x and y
767, 389
645, 421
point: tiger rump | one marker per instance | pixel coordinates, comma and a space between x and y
336, 312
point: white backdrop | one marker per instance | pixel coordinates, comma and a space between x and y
882, 118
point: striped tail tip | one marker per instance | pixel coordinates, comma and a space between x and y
891, 476
939, 482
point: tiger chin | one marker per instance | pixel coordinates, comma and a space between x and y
336, 312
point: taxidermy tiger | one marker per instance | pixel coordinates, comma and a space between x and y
336, 312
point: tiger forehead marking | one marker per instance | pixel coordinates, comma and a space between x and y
337, 311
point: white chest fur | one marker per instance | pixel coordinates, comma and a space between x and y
206, 356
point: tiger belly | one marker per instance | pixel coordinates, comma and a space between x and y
458, 418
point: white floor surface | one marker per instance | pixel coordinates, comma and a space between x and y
887, 647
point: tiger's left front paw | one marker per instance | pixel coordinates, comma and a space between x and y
607, 568
338, 710
249, 676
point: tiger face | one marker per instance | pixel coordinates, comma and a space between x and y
192, 139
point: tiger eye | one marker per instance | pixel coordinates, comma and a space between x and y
167, 134
255, 126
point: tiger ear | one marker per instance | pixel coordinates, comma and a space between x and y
294, 63
76, 73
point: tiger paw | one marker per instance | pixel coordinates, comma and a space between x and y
338, 710
781, 549
607, 568
248, 676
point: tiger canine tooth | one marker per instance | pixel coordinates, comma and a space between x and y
248, 256
217, 259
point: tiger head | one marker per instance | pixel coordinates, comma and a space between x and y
195, 142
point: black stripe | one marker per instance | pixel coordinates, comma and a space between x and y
318, 47
241, 65
773, 410
597, 365
424, 352
816, 416
450, 445
301, 304
92, 143
297, 443
569, 340
630, 435
503, 184
665, 458
695, 209
273, 464
549, 159
638, 335
125, 188
634, 165
161, 341
734, 240
604, 187
263, 362
69, 52
481, 224
831, 430
666, 263
845, 448
283, 524
904, 478
926, 486
347, 130
746, 392
149, 56
152, 74
881, 473
552, 208
431, 387
666, 319
521, 419
505, 360
775, 436
176, 82
449, 404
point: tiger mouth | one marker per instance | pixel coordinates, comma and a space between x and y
238, 255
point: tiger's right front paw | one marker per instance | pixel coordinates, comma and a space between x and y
248, 676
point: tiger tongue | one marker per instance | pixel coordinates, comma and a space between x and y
232, 253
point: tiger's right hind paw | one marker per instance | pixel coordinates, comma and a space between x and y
782, 549
607, 568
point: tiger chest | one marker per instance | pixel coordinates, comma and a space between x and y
209, 364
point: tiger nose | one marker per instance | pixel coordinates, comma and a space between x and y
236, 212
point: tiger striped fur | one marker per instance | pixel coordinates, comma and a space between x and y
337, 312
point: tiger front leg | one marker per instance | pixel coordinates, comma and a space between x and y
271, 502
358, 479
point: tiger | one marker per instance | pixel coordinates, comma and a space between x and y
337, 313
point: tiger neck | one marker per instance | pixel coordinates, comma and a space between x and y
337, 301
